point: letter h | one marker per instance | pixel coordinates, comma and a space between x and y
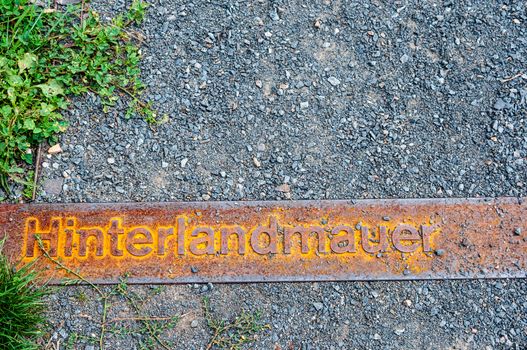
52, 236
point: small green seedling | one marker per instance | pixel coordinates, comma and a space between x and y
234, 333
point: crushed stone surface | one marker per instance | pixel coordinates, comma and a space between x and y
312, 100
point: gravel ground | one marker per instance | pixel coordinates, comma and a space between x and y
336, 99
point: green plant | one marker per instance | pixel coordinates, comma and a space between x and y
81, 297
151, 327
21, 306
46, 56
29, 185
137, 11
232, 334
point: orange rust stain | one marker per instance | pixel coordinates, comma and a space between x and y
327, 240
72, 239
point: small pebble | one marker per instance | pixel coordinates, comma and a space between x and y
283, 188
334, 81
318, 306
55, 149
399, 331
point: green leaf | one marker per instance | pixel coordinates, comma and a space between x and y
29, 124
28, 61
46, 109
51, 88
28, 158
15, 80
6, 111
16, 169
4, 62
12, 95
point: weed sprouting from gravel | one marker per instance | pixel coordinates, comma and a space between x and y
21, 306
151, 327
232, 334
48, 55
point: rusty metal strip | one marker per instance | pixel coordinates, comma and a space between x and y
274, 241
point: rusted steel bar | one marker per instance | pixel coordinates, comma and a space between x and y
273, 241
